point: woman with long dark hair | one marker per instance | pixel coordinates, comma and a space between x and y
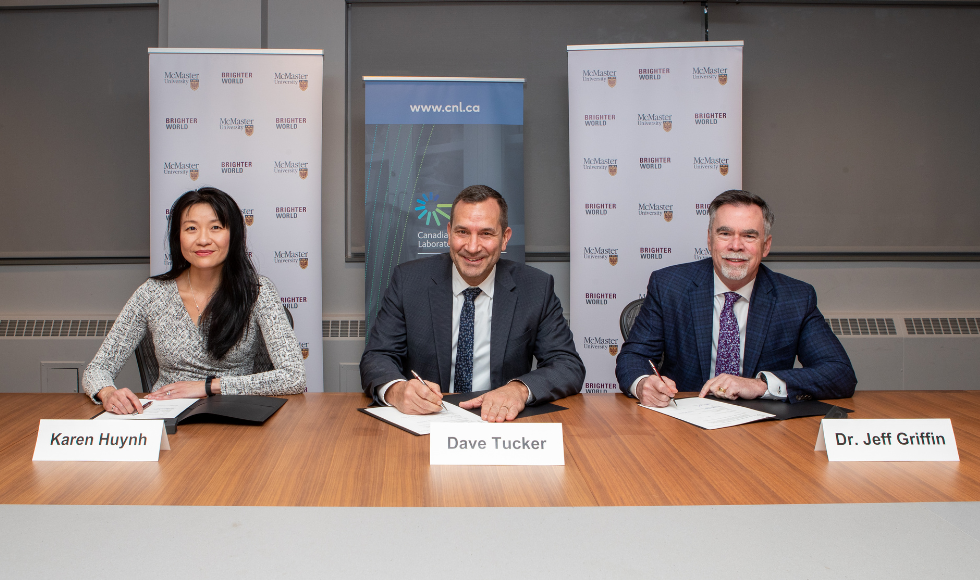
208, 316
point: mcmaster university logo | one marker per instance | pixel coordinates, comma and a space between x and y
609, 164
601, 343
597, 253
287, 256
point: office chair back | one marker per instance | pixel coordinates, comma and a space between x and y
628, 317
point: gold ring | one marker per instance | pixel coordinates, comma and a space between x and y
721, 389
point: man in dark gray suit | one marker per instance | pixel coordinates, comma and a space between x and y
469, 321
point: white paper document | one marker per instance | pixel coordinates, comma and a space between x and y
419, 424
710, 414
168, 409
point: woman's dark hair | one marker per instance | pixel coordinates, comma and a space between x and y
225, 319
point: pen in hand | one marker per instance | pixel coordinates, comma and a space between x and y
416, 375
661, 379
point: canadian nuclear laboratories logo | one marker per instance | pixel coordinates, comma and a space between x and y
249, 215
598, 253
289, 78
179, 123
599, 298
654, 162
289, 212
300, 168
191, 79
709, 118
708, 72
237, 124
235, 166
653, 74
598, 75
711, 163
430, 208
701, 252
289, 122
655, 253
292, 257
599, 208
304, 347
664, 210
601, 163
598, 120
601, 343
662, 120
192, 170
235, 78
292, 302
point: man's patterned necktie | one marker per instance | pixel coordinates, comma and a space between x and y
463, 380
726, 360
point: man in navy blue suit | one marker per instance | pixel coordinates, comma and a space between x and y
468, 321
729, 326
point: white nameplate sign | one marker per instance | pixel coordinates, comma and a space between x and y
887, 440
496, 444
77, 440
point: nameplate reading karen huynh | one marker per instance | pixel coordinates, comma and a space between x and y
76, 440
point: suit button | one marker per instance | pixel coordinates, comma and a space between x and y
803, 398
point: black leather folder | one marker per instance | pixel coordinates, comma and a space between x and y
233, 409
457, 398
783, 410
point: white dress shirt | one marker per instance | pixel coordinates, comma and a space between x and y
777, 387
482, 317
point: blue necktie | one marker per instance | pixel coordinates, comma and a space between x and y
463, 380
729, 345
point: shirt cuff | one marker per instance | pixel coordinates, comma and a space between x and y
384, 389
635, 384
777, 386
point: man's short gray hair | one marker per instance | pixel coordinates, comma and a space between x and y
480, 193
741, 197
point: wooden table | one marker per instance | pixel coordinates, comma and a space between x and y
319, 451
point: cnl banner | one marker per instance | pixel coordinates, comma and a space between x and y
248, 122
427, 138
655, 133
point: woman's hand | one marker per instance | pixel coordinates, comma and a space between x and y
184, 390
120, 401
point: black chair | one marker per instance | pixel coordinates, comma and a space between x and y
146, 359
628, 316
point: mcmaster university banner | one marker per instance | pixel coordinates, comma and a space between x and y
248, 122
655, 133
427, 138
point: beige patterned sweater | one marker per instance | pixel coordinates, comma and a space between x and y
180, 346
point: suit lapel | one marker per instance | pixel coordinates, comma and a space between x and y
702, 305
504, 306
441, 314
760, 313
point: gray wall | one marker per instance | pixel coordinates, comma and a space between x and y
101, 290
